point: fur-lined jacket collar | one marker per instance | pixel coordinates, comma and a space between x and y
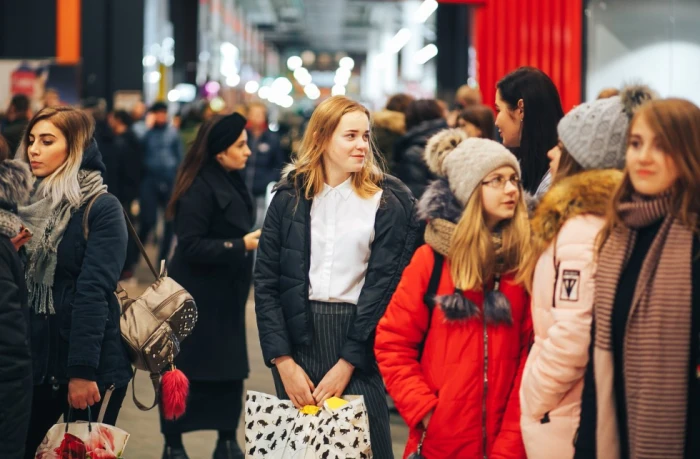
390, 120
585, 193
16, 182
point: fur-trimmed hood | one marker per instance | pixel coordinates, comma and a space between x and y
438, 201
587, 192
16, 182
390, 120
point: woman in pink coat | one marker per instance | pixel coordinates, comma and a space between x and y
585, 166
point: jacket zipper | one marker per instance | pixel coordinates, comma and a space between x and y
486, 384
167, 301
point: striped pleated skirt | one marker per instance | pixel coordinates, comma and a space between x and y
331, 322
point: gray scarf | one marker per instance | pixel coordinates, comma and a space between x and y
48, 223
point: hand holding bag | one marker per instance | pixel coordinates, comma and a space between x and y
84, 440
275, 429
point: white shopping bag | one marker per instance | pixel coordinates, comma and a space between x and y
275, 429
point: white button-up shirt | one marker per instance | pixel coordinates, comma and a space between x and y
342, 231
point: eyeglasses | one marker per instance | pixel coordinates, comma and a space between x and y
500, 182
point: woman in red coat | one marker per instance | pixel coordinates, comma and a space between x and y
454, 370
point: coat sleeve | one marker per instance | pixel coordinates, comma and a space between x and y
102, 265
509, 441
15, 362
194, 213
272, 327
400, 334
561, 362
391, 252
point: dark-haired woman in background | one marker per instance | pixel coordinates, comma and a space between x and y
477, 121
424, 118
529, 109
213, 215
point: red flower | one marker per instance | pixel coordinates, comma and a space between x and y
71, 447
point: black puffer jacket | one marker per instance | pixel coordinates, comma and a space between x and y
83, 340
409, 165
15, 359
282, 272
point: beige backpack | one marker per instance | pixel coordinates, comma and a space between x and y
154, 324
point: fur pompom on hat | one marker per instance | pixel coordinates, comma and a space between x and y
595, 133
439, 145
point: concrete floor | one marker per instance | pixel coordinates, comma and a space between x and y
146, 441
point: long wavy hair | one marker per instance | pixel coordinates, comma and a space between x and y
472, 253
78, 128
196, 157
676, 126
308, 162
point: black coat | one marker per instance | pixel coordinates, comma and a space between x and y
83, 340
409, 165
211, 262
282, 272
15, 359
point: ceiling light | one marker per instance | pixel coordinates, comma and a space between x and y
424, 55
399, 40
264, 92
340, 80
149, 60
312, 91
293, 63
347, 63
252, 87
282, 86
425, 10
338, 90
173, 95
233, 80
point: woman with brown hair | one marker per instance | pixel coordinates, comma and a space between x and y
335, 240
642, 392
213, 214
477, 121
77, 352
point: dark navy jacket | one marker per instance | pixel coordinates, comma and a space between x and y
83, 340
265, 162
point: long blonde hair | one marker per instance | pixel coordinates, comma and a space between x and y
78, 128
676, 125
308, 162
472, 254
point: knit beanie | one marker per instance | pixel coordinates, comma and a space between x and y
595, 133
464, 162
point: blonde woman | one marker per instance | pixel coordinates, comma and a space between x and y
454, 369
336, 238
77, 352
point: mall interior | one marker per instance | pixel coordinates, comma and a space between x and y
194, 59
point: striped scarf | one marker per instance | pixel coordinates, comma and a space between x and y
657, 339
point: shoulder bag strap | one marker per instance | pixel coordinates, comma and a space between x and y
129, 225
429, 297
155, 381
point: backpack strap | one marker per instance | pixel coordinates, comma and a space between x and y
429, 297
155, 381
129, 225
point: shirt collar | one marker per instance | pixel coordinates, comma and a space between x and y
345, 189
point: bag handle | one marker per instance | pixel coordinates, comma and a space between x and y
67, 418
129, 225
105, 403
155, 380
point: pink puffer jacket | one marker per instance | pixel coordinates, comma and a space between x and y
566, 224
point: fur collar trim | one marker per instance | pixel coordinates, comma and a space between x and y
16, 182
438, 201
588, 192
390, 120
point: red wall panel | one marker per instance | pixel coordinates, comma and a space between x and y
542, 33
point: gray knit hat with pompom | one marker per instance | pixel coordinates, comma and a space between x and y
595, 133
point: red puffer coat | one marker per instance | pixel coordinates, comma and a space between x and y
475, 397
